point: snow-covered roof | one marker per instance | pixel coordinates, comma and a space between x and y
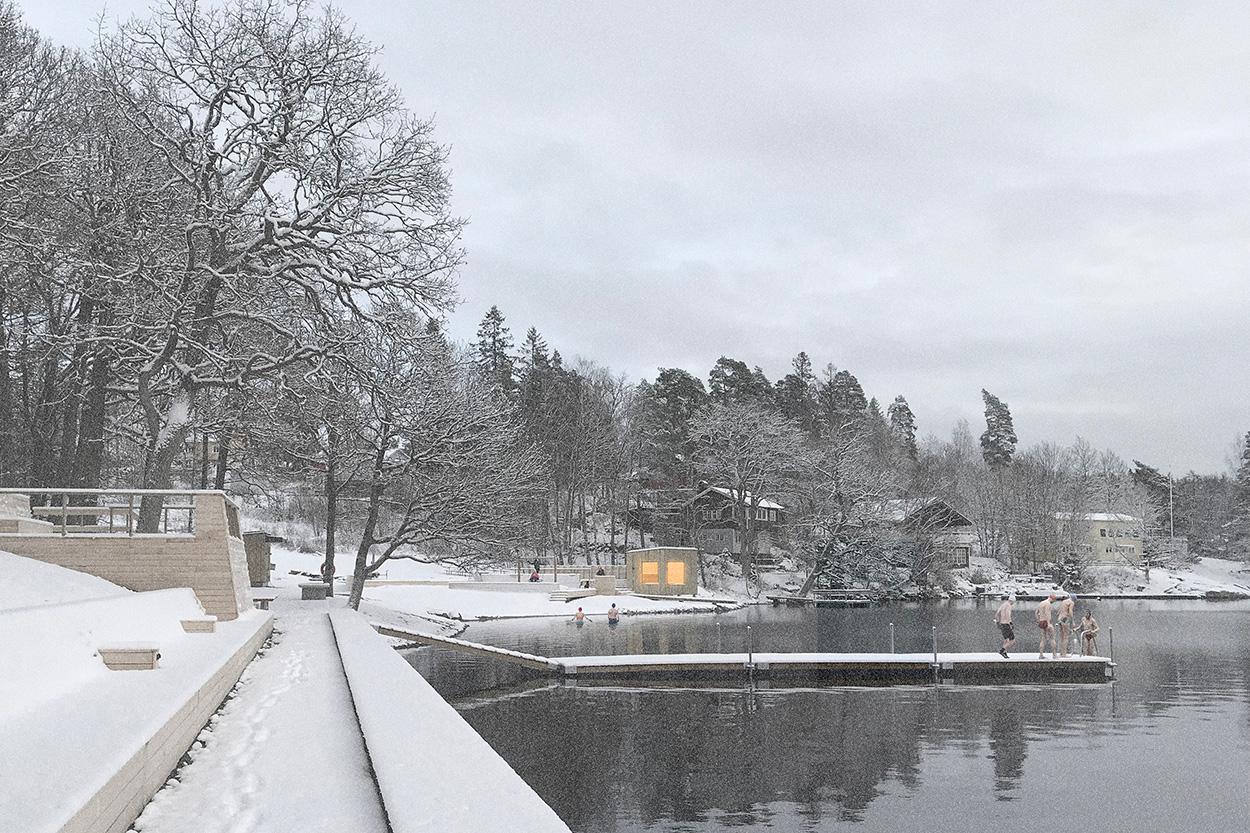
899, 510
732, 494
1118, 517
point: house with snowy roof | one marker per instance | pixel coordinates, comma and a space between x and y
714, 516
951, 534
1102, 537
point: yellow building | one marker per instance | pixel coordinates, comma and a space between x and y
1102, 537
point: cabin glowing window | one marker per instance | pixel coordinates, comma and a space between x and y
675, 574
650, 572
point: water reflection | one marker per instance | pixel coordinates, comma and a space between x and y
625, 759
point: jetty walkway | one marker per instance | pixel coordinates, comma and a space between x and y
826, 668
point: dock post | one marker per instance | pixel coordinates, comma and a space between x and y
936, 671
749, 645
891, 637
719, 649
1111, 639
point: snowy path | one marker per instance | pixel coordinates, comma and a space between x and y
284, 753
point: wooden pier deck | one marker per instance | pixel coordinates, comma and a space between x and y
797, 668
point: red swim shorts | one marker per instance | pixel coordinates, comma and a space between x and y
1043, 625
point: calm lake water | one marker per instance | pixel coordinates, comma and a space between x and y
1164, 748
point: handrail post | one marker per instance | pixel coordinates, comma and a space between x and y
130, 514
64, 514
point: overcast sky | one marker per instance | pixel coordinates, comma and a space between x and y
1051, 201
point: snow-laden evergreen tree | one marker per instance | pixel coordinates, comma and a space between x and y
795, 394
534, 381
666, 407
494, 346
1239, 528
730, 380
841, 398
998, 443
903, 426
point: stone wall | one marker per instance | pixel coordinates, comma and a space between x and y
212, 562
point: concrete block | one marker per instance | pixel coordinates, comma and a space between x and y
200, 624
313, 590
129, 657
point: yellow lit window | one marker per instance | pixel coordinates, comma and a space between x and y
650, 572
676, 573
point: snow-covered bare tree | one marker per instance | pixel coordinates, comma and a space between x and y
309, 196
752, 450
450, 476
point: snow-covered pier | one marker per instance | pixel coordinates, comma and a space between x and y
827, 668
842, 668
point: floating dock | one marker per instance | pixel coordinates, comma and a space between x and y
841, 669
796, 668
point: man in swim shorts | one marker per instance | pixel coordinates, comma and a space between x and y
1089, 634
1047, 629
1067, 609
1003, 619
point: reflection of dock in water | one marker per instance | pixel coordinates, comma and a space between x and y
797, 668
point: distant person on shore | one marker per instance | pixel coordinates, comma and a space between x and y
600, 572
1067, 609
1003, 619
534, 576
614, 615
1047, 629
1089, 634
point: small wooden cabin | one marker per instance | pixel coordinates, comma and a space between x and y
663, 571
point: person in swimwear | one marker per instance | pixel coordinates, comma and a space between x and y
1089, 634
1002, 618
1047, 629
1067, 609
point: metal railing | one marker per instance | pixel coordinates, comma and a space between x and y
114, 511
579, 572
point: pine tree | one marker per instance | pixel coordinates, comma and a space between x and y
795, 395
1239, 528
903, 425
534, 354
732, 381
494, 351
668, 405
534, 383
998, 443
842, 400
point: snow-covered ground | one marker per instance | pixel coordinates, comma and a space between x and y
25, 582
68, 723
1203, 576
433, 597
284, 753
